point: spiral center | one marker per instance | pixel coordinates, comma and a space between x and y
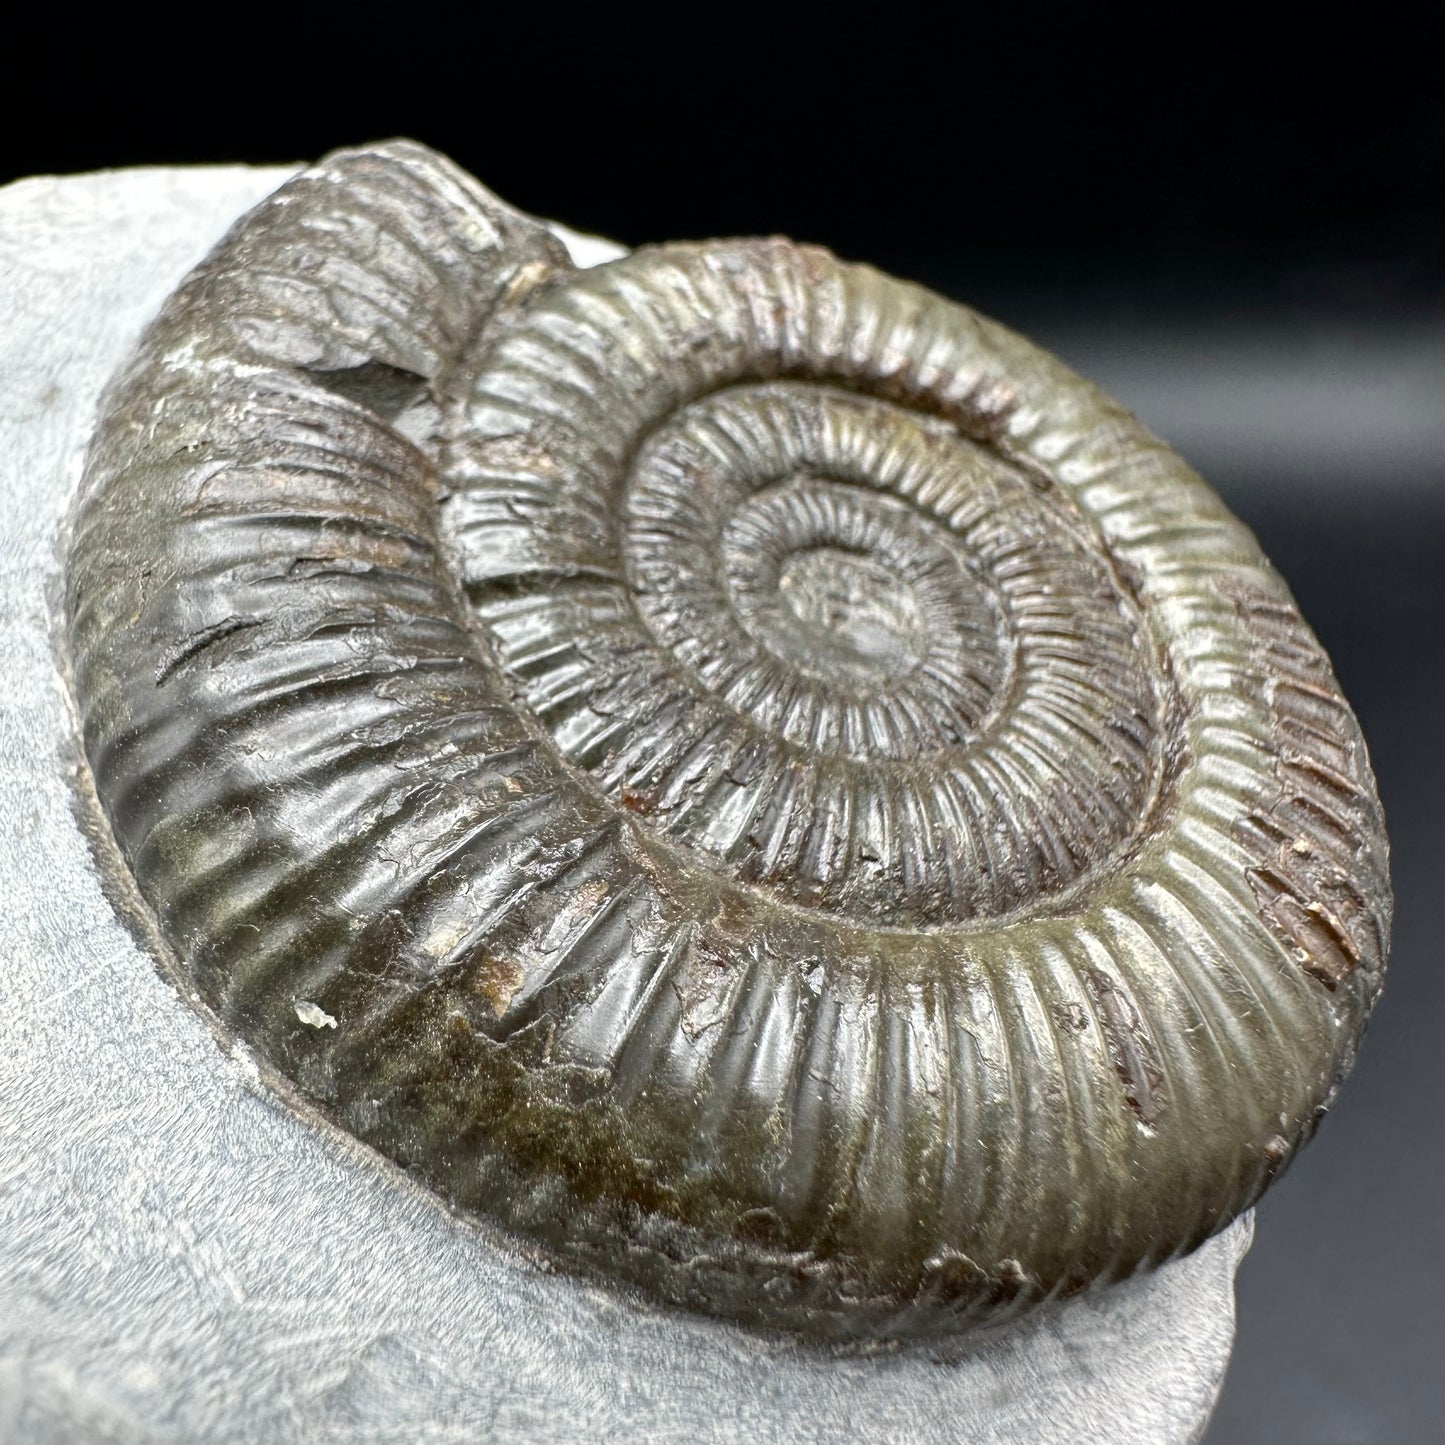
841, 649
842, 611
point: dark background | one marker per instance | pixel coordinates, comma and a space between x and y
1240, 233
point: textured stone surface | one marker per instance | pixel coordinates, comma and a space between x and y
181, 1256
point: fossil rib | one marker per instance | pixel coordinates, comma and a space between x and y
745, 772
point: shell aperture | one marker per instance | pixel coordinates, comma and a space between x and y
740, 770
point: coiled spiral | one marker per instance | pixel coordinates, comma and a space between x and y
739, 769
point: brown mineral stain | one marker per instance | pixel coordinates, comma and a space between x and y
497, 980
1306, 835
1314, 934
640, 803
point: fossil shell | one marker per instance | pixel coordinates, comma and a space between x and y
743, 771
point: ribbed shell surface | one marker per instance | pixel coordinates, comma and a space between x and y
742, 771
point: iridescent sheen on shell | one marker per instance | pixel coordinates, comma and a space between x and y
738, 769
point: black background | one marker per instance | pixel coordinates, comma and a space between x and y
1238, 230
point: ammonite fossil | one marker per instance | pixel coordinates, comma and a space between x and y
742, 771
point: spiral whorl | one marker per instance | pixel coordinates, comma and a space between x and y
763, 580
735, 767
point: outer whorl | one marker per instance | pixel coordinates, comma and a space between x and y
743, 771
